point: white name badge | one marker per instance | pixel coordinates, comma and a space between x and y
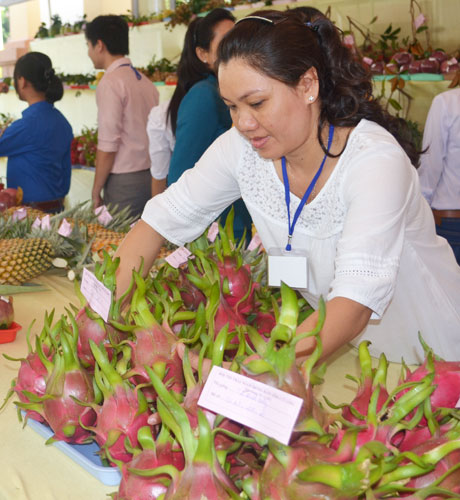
288, 266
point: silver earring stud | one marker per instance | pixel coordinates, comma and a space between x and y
311, 98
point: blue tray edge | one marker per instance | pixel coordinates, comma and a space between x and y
110, 476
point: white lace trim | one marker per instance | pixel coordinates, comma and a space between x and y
367, 266
261, 187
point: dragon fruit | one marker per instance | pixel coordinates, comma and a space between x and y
31, 380
68, 384
141, 477
91, 327
275, 361
446, 380
202, 475
154, 345
278, 479
123, 412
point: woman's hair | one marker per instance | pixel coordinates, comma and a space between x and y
112, 30
286, 45
310, 13
37, 69
191, 69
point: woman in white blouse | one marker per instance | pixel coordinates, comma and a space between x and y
304, 118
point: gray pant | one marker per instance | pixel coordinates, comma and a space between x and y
129, 190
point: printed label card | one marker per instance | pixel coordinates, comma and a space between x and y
99, 297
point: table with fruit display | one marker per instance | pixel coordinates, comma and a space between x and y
126, 381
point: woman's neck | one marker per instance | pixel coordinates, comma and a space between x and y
34, 99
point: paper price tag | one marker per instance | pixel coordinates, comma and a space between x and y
65, 229
37, 223
249, 402
213, 232
103, 215
178, 257
46, 223
255, 242
99, 297
367, 60
19, 214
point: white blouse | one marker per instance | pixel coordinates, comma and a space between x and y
161, 140
440, 166
369, 234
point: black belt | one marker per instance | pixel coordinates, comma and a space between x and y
51, 207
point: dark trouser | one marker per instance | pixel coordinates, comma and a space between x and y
131, 190
449, 228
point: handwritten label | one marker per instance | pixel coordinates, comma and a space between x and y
19, 214
213, 232
249, 402
255, 242
178, 257
46, 223
65, 229
99, 297
419, 21
103, 215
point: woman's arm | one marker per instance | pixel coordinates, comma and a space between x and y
141, 243
158, 186
345, 319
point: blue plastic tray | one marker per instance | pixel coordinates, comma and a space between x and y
85, 455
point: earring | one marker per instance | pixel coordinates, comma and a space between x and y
311, 98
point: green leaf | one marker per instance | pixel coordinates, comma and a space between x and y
28, 287
395, 104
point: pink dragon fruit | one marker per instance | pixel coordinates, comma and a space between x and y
123, 412
67, 384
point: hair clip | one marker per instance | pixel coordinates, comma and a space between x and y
49, 74
259, 18
311, 26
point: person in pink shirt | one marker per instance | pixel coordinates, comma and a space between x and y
124, 99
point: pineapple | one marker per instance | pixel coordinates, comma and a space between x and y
23, 259
32, 213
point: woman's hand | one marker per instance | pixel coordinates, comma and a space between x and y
142, 243
345, 319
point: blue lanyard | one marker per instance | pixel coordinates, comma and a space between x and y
310, 188
138, 75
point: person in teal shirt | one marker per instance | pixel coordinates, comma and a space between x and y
196, 112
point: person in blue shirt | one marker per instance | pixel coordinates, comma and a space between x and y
196, 112
38, 144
